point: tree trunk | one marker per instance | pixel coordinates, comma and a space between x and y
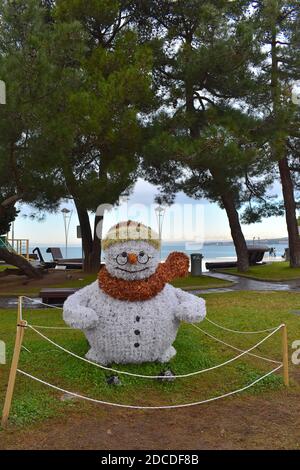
225, 194
92, 260
91, 245
236, 232
279, 152
20, 262
290, 212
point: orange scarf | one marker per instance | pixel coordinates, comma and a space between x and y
176, 265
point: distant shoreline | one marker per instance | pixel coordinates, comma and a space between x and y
261, 241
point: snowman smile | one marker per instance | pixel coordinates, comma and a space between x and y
128, 271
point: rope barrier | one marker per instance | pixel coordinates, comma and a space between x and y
44, 327
207, 319
239, 331
21, 325
154, 376
195, 326
234, 347
136, 407
36, 301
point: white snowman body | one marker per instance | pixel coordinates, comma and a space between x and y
123, 331
131, 332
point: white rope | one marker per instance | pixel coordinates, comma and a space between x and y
207, 319
154, 376
239, 331
227, 329
36, 301
195, 326
136, 407
21, 309
54, 327
234, 347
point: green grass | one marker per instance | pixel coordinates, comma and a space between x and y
242, 310
189, 282
277, 271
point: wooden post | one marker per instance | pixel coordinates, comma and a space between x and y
21, 324
20, 305
285, 356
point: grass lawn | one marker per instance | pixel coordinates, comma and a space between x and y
189, 282
238, 310
277, 271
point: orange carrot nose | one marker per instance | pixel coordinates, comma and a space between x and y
132, 258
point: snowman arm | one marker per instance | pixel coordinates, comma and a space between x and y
76, 313
190, 308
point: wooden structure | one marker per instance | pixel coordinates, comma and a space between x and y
20, 246
56, 296
255, 256
69, 263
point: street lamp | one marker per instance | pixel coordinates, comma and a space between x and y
124, 197
160, 213
67, 215
3, 101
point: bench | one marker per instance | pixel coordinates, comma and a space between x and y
56, 296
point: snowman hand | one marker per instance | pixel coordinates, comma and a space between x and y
191, 309
76, 313
80, 317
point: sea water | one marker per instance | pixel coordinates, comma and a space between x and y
211, 251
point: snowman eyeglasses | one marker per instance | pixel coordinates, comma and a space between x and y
142, 258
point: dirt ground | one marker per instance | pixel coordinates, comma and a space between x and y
12, 284
255, 422
266, 421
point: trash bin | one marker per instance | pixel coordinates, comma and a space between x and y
286, 254
196, 264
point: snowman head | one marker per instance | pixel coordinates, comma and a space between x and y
131, 251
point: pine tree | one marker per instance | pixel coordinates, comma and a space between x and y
277, 25
95, 123
203, 51
24, 66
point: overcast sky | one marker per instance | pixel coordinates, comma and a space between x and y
186, 220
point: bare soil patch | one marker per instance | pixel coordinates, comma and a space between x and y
14, 284
264, 422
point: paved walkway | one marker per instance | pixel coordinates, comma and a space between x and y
243, 283
239, 284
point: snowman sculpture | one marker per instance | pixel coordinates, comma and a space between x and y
131, 314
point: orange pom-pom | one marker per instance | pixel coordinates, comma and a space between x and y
178, 264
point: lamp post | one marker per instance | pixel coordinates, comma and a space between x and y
124, 197
67, 215
160, 213
3, 101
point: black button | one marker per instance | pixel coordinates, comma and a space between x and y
136, 345
137, 318
137, 332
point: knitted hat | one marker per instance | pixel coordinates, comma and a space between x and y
130, 230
